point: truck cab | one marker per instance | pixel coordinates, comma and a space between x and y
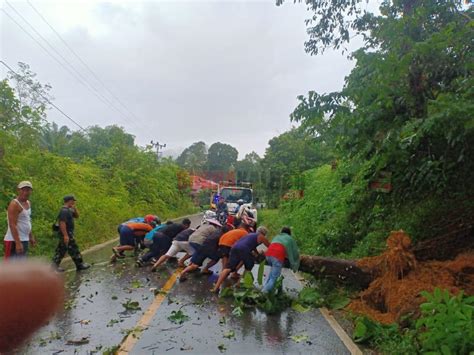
234, 193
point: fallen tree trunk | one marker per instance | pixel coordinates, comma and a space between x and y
339, 270
347, 272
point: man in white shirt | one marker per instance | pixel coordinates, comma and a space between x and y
19, 236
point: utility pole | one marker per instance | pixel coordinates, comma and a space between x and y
158, 147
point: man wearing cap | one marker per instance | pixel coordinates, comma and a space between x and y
67, 242
19, 234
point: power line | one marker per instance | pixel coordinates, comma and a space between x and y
45, 98
97, 78
80, 79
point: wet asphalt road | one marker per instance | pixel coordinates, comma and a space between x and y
95, 319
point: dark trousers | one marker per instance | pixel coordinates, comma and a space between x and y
10, 250
71, 248
161, 244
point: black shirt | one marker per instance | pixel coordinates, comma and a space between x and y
172, 230
65, 215
184, 235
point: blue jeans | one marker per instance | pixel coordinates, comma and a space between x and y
274, 274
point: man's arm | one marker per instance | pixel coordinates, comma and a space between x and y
75, 212
32, 239
13, 212
62, 225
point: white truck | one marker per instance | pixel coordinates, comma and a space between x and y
235, 192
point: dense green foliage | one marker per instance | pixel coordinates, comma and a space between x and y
198, 159
406, 112
447, 323
194, 157
112, 178
286, 158
446, 326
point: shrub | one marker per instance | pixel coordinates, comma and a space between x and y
447, 323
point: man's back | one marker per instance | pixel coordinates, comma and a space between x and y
229, 238
66, 215
202, 233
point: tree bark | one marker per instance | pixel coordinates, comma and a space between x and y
347, 272
339, 270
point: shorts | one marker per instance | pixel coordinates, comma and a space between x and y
177, 247
239, 255
197, 247
223, 251
199, 257
127, 237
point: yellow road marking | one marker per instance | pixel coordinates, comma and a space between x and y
130, 341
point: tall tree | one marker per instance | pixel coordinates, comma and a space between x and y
221, 157
194, 157
248, 169
33, 96
287, 156
407, 105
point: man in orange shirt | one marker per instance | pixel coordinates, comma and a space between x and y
227, 241
129, 232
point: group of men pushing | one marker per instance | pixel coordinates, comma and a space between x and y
234, 246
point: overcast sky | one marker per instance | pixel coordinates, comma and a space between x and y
187, 71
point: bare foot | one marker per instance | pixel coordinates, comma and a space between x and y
206, 272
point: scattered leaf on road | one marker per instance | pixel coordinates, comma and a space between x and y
222, 348
112, 322
136, 284
229, 335
130, 305
238, 312
69, 304
298, 307
178, 317
78, 342
299, 338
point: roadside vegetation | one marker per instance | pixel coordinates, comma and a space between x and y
396, 153
112, 179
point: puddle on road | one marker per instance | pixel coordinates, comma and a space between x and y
105, 303
94, 317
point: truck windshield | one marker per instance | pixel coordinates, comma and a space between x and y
233, 195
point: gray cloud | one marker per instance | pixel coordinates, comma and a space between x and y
190, 71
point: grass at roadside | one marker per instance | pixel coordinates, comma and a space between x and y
272, 219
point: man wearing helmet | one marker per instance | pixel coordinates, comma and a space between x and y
130, 232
